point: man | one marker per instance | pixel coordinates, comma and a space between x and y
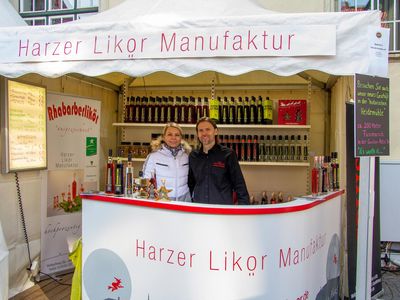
214, 171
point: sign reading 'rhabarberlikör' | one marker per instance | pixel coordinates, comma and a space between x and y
371, 115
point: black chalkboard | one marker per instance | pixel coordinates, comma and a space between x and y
372, 115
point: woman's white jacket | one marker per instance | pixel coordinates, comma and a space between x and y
173, 169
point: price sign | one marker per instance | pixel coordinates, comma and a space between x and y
371, 115
24, 134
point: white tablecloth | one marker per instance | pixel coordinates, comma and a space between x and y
3, 266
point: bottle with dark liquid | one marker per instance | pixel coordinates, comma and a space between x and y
110, 174
144, 110
261, 149
335, 171
253, 111
267, 155
240, 111
191, 115
246, 111
243, 148
232, 112
119, 176
136, 110
237, 145
292, 148
315, 177
206, 108
274, 149
199, 109
299, 148
225, 111
170, 109
157, 110
260, 111
184, 110
163, 110
128, 106
305, 148
249, 152
129, 177
177, 109
255, 155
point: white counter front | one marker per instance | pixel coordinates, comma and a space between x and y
143, 249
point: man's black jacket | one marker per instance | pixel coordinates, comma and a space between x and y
213, 177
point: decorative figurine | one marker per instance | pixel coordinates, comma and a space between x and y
163, 192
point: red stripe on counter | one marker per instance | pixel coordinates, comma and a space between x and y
212, 209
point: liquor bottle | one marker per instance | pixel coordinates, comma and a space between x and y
232, 112
292, 148
110, 174
329, 174
335, 171
177, 109
74, 188
232, 142
163, 110
119, 176
243, 148
227, 141
191, 115
157, 110
237, 146
246, 111
305, 148
143, 110
255, 155
206, 108
199, 109
225, 111
261, 149
260, 111
170, 109
213, 109
184, 110
268, 111
249, 149
136, 110
285, 154
150, 110
129, 177
279, 149
240, 111
253, 111
267, 147
315, 177
299, 156
128, 108
274, 149
324, 187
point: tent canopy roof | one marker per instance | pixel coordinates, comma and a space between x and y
352, 48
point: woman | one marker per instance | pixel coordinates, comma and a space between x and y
169, 161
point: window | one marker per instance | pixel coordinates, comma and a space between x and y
51, 12
390, 16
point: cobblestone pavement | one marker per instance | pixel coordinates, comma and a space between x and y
391, 285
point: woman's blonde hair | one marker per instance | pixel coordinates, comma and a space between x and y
157, 143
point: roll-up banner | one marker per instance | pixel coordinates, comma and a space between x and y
73, 126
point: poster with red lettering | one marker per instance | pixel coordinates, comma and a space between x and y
292, 112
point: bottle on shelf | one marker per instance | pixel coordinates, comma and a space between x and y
261, 149
335, 170
279, 149
299, 148
129, 177
199, 109
143, 110
274, 149
305, 148
253, 111
170, 110
206, 108
267, 147
163, 110
214, 108
232, 142
268, 111
292, 148
136, 110
264, 198
232, 112
255, 155
191, 115
150, 110
260, 111
249, 149
239, 111
74, 187
246, 111
177, 109
315, 177
119, 176
225, 111
286, 148
243, 147
184, 110
237, 146
157, 110
110, 174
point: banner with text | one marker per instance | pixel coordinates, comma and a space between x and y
96, 42
132, 251
73, 126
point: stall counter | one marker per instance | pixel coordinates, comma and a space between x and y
146, 249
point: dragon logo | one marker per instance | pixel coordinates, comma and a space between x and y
115, 285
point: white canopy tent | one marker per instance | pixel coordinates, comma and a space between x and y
140, 16
351, 55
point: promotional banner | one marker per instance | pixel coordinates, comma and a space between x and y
143, 249
73, 126
58, 43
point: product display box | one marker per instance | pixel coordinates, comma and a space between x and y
292, 112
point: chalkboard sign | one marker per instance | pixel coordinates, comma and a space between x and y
371, 115
23, 126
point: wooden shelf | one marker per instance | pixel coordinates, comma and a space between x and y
256, 163
238, 126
